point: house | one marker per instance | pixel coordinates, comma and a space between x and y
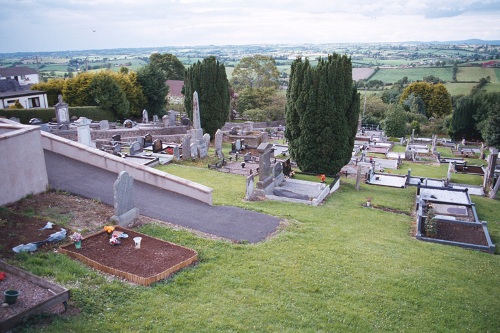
11, 91
175, 91
25, 76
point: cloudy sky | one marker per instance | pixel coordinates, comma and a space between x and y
56, 25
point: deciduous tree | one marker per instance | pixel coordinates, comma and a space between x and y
170, 64
153, 82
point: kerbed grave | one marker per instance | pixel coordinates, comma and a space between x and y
155, 260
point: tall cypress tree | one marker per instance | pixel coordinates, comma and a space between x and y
321, 114
209, 79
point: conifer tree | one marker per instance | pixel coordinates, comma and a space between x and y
322, 114
209, 79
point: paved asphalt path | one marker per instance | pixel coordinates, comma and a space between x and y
229, 222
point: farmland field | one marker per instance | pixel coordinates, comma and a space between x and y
475, 73
391, 75
362, 73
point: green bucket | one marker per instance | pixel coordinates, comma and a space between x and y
11, 296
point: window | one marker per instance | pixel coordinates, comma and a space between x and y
34, 102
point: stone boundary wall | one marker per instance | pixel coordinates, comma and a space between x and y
124, 132
260, 125
109, 162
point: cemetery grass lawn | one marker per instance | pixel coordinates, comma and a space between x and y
338, 267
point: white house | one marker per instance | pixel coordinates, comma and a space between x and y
24, 75
10, 91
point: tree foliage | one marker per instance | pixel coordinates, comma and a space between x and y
437, 99
153, 82
491, 132
53, 88
255, 72
321, 114
463, 124
395, 121
170, 64
130, 86
108, 95
209, 79
76, 90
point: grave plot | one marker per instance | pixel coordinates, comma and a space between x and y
155, 260
36, 295
448, 216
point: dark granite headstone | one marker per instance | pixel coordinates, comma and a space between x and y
157, 146
116, 138
148, 140
128, 123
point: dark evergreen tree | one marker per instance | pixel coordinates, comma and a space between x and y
463, 124
491, 131
322, 114
209, 79
108, 95
153, 82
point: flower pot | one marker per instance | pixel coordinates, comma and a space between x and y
78, 244
368, 203
10, 296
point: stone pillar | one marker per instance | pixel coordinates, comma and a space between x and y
83, 129
264, 185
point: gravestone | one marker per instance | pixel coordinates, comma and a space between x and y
104, 125
62, 112
186, 147
287, 168
164, 120
185, 121
171, 117
265, 183
123, 190
206, 138
202, 149
117, 148
128, 123
176, 153
155, 118
116, 138
218, 142
17, 120
145, 117
247, 157
135, 148
148, 140
198, 140
193, 148
238, 145
83, 131
250, 188
279, 177
157, 146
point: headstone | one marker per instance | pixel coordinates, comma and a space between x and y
128, 123
171, 117
83, 130
117, 147
148, 140
185, 121
33, 121
196, 111
250, 188
264, 185
206, 138
145, 117
62, 112
202, 149
186, 147
238, 145
219, 135
247, 127
135, 148
155, 118
17, 120
116, 138
125, 210
193, 148
164, 120
157, 146
176, 152
482, 151
104, 125
247, 157
279, 177
358, 178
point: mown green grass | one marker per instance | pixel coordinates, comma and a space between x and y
338, 267
392, 75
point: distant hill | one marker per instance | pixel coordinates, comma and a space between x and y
465, 41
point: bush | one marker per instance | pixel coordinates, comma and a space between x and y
46, 115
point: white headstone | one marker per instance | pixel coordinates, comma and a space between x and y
218, 140
145, 117
196, 111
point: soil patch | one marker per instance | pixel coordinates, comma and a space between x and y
469, 234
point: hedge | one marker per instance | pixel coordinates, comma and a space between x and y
25, 115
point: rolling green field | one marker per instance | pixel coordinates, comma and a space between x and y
338, 267
392, 75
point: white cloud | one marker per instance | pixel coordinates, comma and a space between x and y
59, 25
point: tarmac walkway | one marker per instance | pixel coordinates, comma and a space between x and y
229, 222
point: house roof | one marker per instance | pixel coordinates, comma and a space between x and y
14, 71
175, 88
10, 85
11, 88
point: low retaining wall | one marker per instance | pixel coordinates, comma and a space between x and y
112, 163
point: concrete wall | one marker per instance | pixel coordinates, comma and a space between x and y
116, 164
22, 162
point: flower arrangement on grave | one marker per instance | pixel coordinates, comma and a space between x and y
76, 237
109, 229
170, 151
430, 223
368, 201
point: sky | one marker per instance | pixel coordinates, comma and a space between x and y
60, 25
